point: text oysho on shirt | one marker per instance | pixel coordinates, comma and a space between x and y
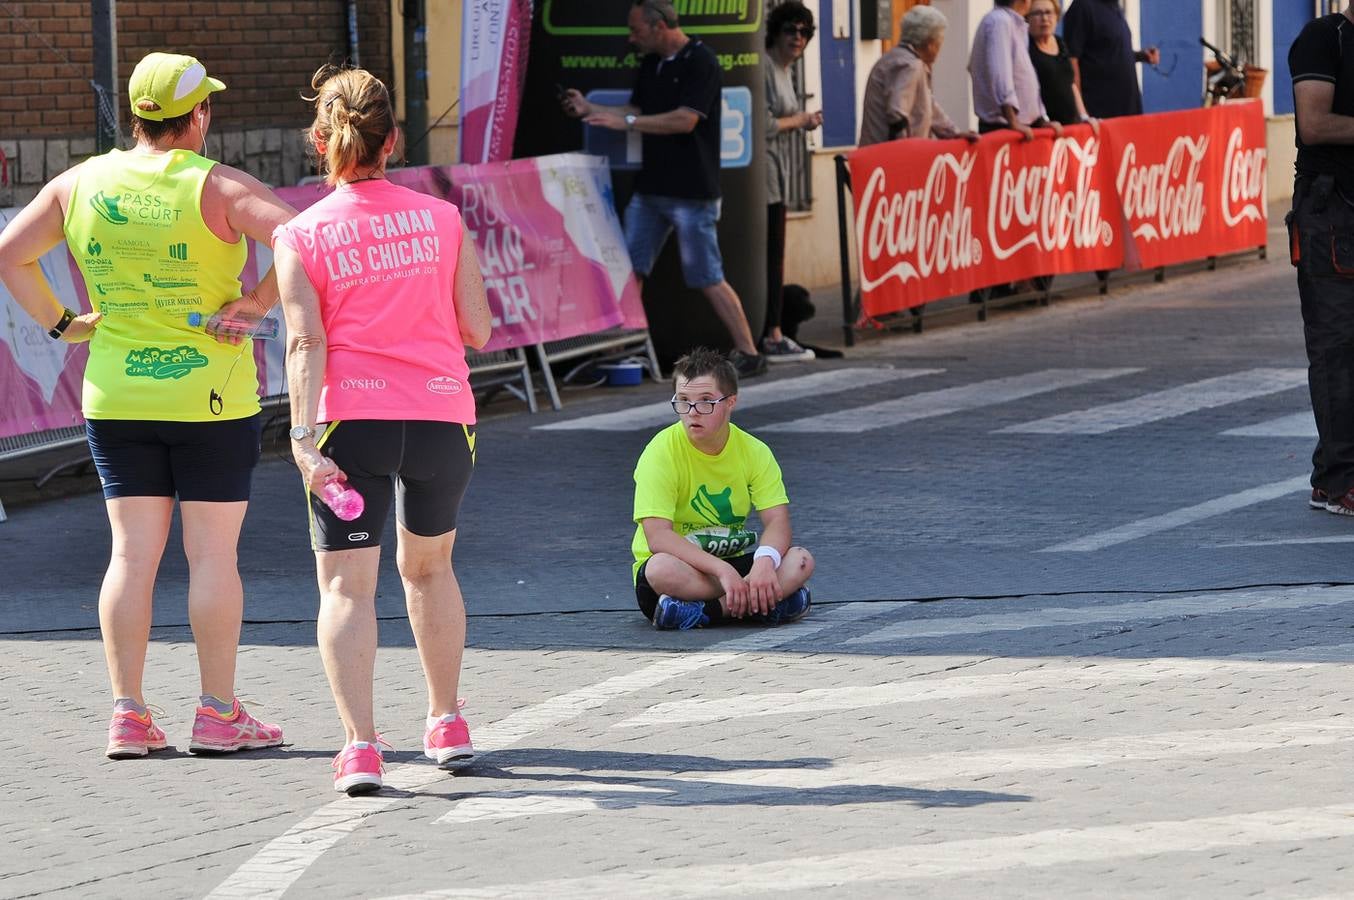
382, 259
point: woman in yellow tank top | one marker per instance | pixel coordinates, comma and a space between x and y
158, 233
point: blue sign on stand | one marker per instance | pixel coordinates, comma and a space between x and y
625, 148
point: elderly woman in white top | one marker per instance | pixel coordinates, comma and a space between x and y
898, 98
789, 28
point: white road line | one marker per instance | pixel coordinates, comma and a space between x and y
943, 402
283, 860
941, 690
652, 415
1135, 611
560, 798
1280, 542
1189, 514
1298, 425
1168, 404
565, 797
1319, 653
937, 859
948, 768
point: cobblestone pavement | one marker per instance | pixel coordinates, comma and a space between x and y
1076, 633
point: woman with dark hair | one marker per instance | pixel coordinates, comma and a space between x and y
382, 293
789, 28
159, 231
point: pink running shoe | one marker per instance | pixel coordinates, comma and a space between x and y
358, 768
447, 740
215, 733
131, 735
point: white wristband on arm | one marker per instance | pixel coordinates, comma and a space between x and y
770, 552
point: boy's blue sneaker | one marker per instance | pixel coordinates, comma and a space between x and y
791, 609
679, 614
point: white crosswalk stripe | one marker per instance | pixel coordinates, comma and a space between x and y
943, 402
943, 690
939, 859
1136, 611
1300, 425
566, 797
1184, 516
654, 415
1167, 404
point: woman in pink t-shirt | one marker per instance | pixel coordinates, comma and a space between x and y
382, 294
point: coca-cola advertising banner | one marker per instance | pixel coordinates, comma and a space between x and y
938, 218
1191, 183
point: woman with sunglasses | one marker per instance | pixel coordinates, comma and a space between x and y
1052, 63
789, 28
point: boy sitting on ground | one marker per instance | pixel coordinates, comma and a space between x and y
696, 562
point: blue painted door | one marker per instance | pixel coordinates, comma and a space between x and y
839, 77
1289, 17
1174, 27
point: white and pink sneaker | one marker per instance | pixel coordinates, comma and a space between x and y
214, 732
358, 768
447, 740
131, 735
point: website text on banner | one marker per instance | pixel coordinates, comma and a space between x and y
1191, 183
548, 238
40, 379
939, 218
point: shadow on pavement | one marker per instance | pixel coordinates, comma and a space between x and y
634, 790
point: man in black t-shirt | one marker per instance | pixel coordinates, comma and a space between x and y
675, 107
1101, 45
1321, 242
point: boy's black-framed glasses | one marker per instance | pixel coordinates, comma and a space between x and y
804, 31
704, 407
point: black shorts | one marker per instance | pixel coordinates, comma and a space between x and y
648, 597
426, 465
212, 461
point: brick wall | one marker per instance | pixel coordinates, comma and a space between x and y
265, 52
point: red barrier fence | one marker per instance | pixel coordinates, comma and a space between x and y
938, 218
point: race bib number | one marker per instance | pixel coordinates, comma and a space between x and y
723, 542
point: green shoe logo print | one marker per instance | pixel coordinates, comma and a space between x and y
162, 364
107, 208
717, 509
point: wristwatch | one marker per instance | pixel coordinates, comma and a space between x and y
301, 432
60, 327
630, 121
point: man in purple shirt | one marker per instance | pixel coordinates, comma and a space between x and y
1005, 85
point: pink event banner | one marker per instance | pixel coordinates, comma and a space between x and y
40, 379
549, 243
548, 239
493, 71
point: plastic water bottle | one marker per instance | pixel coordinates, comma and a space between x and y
262, 328
343, 499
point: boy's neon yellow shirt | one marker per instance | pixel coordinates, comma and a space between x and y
707, 498
134, 225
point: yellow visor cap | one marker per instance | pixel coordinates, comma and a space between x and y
167, 85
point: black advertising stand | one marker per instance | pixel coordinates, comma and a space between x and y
584, 46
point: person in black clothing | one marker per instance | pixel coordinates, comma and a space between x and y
1319, 225
1101, 45
1052, 63
675, 106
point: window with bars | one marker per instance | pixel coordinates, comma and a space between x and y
799, 174
1238, 19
